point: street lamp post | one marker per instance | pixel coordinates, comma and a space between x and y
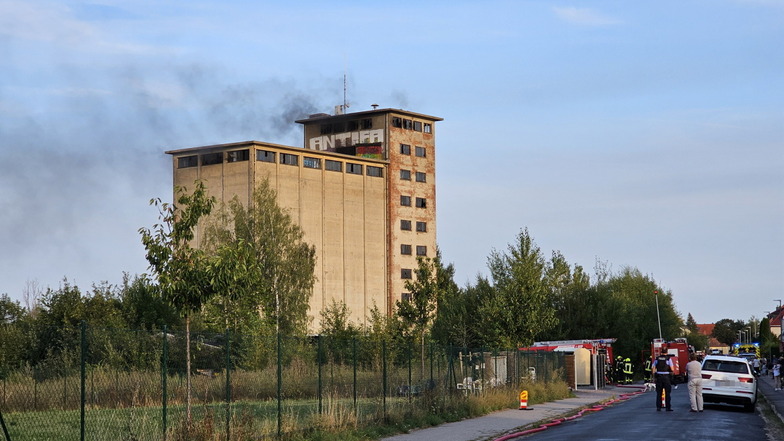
658, 317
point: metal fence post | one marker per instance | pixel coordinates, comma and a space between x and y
83, 375
354, 356
280, 386
164, 377
384, 378
318, 361
228, 384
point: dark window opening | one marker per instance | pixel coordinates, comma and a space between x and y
334, 165
405, 201
397, 122
326, 129
421, 227
405, 273
187, 161
238, 155
405, 175
405, 149
354, 169
405, 297
211, 158
421, 250
405, 249
309, 162
405, 225
288, 159
421, 177
420, 151
408, 124
421, 203
367, 123
265, 156
352, 126
418, 126
376, 172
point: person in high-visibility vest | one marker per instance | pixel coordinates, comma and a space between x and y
648, 370
618, 371
628, 370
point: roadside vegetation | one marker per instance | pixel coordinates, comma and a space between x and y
250, 277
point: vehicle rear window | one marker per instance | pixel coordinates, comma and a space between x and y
734, 367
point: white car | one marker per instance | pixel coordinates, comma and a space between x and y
730, 380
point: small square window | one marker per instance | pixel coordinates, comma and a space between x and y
421, 250
405, 225
405, 201
397, 122
408, 124
418, 126
421, 203
405, 249
377, 172
406, 297
366, 124
405, 149
237, 156
406, 273
428, 128
421, 177
265, 156
421, 227
289, 159
354, 169
211, 158
334, 165
405, 175
187, 161
420, 151
309, 162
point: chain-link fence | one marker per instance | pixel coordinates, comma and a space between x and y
113, 384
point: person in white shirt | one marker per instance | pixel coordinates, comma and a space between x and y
776, 374
694, 371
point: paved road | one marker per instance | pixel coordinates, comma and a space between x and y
620, 420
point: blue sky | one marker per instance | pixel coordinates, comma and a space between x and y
641, 134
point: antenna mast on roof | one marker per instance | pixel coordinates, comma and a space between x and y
341, 109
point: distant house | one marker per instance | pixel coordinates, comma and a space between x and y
713, 344
776, 317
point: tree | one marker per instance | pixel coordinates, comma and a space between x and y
726, 331
182, 271
430, 284
564, 286
520, 308
694, 336
262, 263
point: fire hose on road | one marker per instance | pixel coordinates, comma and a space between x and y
558, 421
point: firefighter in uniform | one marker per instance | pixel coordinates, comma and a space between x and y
662, 371
628, 371
648, 370
618, 370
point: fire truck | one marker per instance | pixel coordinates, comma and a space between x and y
679, 351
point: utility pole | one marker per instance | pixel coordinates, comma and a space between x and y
658, 317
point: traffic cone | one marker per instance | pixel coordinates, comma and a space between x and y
524, 400
662, 398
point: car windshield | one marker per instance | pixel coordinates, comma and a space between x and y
735, 367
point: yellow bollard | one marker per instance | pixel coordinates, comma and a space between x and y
524, 400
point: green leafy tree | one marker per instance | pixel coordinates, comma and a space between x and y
457, 316
520, 309
143, 307
262, 263
183, 272
431, 283
337, 331
565, 285
726, 331
694, 336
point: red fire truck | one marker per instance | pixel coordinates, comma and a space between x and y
679, 350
